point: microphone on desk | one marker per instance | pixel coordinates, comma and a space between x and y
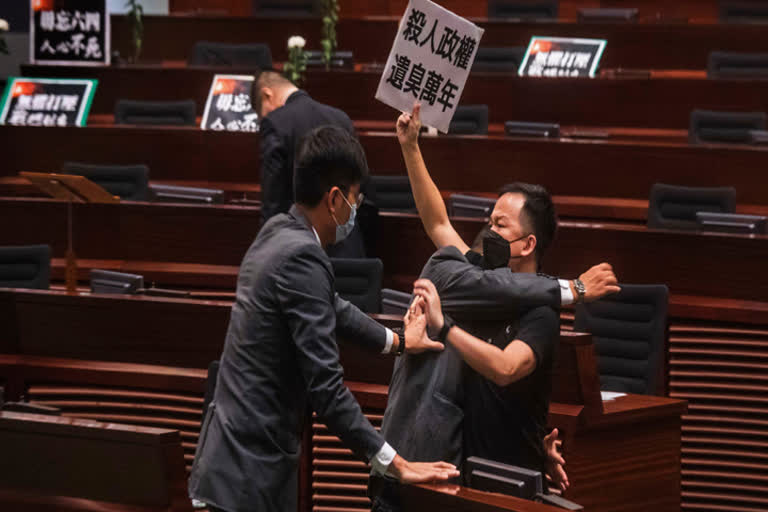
491, 476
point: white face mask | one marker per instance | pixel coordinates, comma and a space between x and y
344, 230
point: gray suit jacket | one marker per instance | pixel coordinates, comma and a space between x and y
280, 358
423, 419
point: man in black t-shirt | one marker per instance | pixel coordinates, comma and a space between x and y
506, 332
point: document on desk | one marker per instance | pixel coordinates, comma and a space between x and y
611, 395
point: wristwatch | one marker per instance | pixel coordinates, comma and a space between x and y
581, 290
400, 350
447, 324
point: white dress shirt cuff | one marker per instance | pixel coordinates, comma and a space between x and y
566, 295
381, 461
389, 341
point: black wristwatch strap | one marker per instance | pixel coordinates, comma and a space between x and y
447, 324
400, 350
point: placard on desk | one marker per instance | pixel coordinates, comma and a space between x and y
228, 107
47, 101
69, 32
562, 57
429, 62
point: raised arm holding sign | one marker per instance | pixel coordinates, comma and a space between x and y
429, 62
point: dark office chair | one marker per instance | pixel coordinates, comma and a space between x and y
173, 113
462, 205
740, 11
391, 193
523, 9
394, 302
469, 120
725, 127
207, 53
286, 8
25, 266
675, 207
629, 330
499, 59
737, 65
130, 182
606, 15
359, 281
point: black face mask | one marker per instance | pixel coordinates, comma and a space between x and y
496, 252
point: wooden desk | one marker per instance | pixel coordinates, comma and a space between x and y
599, 179
60, 463
716, 346
666, 45
637, 102
690, 263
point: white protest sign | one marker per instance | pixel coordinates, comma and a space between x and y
430, 60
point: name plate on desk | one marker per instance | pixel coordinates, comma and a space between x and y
47, 101
562, 57
429, 62
228, 107
69, 32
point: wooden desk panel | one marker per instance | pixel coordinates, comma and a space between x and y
610, 168
690, 263
641, 46
134, 230
637, 102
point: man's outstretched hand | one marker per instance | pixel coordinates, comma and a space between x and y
415, 321
555, 474
599, 281
421, 472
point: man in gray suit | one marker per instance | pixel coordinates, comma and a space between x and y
280, 355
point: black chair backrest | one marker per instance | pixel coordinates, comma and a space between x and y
359, 281
25, 266
175, 113
730, 127
741, 11
606, 15
469, 120
210, 385
207, 53
737, 65
499, 59
129, 182
523, 9
462, 205
394, 302
391, 193
286, 8
630, 332
675, 207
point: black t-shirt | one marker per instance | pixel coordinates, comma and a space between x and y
507, 424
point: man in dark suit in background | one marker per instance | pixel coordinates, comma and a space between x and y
280, 355
287, 115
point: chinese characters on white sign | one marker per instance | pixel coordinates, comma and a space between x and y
46, 102
229, 105
69, 32
562, 57
429, 62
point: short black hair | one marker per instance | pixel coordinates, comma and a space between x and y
538, 215
329, 157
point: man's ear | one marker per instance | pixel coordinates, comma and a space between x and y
332, 199
266, 94
530, 245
